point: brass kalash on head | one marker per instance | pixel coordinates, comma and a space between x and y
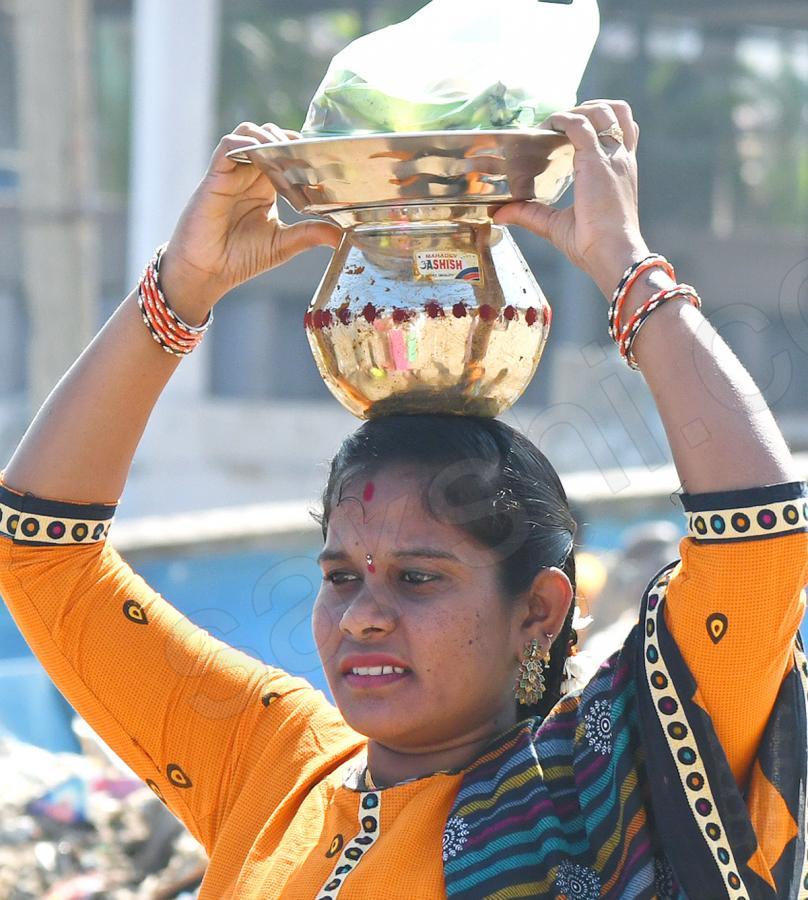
427, 306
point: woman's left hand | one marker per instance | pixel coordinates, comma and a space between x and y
600, 232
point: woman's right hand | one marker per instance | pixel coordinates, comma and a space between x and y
230, 230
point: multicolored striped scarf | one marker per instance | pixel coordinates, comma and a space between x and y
625, 791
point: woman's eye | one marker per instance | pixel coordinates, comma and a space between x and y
339, 577
417, 577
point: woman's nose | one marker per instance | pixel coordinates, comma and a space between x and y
368, 613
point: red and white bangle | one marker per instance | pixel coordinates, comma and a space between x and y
625, 335
627, 282
640, 317
166, 327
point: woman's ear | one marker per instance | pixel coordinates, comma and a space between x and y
545, 605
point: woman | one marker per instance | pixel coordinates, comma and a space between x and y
448, 574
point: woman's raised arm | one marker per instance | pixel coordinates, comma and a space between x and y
188, 713
722, 434
81, 443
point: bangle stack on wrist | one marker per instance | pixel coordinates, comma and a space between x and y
625, 335
173, 334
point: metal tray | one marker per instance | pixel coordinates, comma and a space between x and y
479, 168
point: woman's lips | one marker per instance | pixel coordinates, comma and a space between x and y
366, 682
365, 671
370, 661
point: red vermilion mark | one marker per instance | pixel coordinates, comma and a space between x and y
369, 491
344, 314
326, 318
401, 315
487, 313
317, 318
433, 310
369, 312
548, 316
459, 310
531, 315
510, 313
307, 320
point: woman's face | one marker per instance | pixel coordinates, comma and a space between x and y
403, 590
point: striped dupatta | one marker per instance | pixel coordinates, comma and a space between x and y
624, 791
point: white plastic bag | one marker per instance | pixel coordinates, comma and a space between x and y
459, 64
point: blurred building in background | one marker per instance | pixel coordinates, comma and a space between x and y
110, 109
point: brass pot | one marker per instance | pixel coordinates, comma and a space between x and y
426, 305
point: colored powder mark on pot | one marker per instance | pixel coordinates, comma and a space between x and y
376, 372
548, 316
487, 313
510, 313
398, 351
412, 348
531, 315
459, 310
369, 312
369, 491
344, 314
433, 310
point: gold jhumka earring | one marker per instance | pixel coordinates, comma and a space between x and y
530, 684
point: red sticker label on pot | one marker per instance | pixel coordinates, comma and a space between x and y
447, 265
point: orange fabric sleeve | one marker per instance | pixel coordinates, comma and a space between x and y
734, 606
181, 708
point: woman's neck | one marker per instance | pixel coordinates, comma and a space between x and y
390, 766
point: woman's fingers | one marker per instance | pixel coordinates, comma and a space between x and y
602, 115
530, 214
619, 112
307, 234
580, 130
220, 164
278, 134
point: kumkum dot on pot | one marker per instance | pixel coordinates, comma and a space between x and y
531, 316
433, 309
307, 320
510, 313
487, 313
400, 315
370, 312
459, 310
344, 314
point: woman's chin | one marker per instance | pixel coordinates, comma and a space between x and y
378, 720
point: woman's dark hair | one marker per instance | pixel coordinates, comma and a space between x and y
488, 480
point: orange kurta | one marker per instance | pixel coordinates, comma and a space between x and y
261, 767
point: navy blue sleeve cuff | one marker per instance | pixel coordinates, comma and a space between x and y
28, 519
749, 514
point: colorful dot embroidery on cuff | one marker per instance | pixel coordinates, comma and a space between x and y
749, 523
27, 519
